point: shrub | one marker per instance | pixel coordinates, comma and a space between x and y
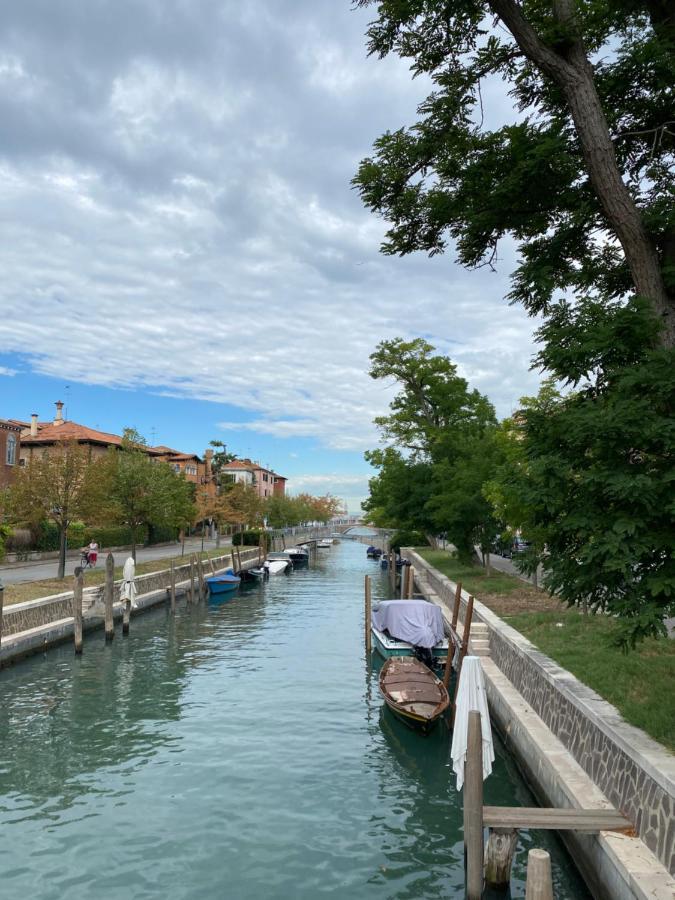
162, 534
113, 535
407, 539
16, 539
248, 538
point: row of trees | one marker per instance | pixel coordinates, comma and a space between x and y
599, 518
127, 487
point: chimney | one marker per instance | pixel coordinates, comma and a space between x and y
33, 424
208, 459
59, 413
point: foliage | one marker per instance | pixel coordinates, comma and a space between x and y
432, 480
235, 504
596, 485
407, 539
581, 173
220, 459
246, 538
58, 486
285, 510
135, 490
5, 531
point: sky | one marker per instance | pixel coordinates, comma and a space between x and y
182, 250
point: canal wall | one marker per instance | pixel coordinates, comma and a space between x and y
575, 751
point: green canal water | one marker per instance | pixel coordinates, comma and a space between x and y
235, 751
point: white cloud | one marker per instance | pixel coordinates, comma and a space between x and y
8, 373
181, 220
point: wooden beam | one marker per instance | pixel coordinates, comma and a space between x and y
556, 819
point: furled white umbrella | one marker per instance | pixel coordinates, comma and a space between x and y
128, 590
471, 696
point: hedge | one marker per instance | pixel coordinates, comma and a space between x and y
80, 534
246, 538
407, 539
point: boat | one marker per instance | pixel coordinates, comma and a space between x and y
413, 693
278, 563
404, 627
224, 583
298, 554
373, 552
324, 543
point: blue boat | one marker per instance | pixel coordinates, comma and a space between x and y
224, 583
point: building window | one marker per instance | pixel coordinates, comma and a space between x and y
10, 457
190, 470
264, 476
176, 467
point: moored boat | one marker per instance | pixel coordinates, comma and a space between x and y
373, 552
413, 693
324, 543
298, 554
404, 627
225, 583
278, 563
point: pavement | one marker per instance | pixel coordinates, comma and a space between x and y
48, 568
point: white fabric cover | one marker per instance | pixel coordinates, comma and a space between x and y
415, 621
471, 696
128, 589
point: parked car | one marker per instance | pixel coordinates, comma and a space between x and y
520, 546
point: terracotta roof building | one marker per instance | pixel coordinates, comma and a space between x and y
10, 449
265, 481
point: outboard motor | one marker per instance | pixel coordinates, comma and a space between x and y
425, 656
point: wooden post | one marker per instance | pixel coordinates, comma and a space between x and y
108, 594
200, 579
411, 583
126, 616
78, 586
239, 556
172, 590
462, 651
499, 852
448, 664
2, 597
455, 610
213, 568
539, 885
191, 589
473, 809
367, 623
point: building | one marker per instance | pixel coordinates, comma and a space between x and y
265, 481
10, 450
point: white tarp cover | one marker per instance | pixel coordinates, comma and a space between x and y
471, 696
128, 590
415, 621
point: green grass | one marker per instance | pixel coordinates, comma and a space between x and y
474, 578
639, 683
33, 590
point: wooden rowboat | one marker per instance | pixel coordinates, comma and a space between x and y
413, 693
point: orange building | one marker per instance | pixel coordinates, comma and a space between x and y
10, 450
266, 482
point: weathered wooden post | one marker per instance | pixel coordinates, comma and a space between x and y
448, 665
462, 650
172, 590
499, 852
411, 583
539, 884
201, 584
126, 616
108, 596
473, 809
213, 568
367, 622
78, 586
455, 609
191, 589
2, 600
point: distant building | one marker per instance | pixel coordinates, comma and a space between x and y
10, 451
265, 481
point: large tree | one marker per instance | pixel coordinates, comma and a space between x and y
56, 485
582, 174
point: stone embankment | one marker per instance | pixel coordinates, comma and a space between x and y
576, 751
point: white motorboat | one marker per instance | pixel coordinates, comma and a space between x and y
324, 543
278, 563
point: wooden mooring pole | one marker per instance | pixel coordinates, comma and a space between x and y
455, 609
473, 809
499, 852
191, 589
126, 616
367, 622
172, 590
108, 596
539, 884
78, 587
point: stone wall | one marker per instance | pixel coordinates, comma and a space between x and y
635, 773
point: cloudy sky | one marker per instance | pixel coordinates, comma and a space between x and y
181, 249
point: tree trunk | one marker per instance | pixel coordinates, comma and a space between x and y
133, 543
573, 74
63, 543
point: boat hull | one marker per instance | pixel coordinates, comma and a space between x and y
413, 693
389, 647
220, 586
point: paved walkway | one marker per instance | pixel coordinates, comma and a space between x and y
48, 568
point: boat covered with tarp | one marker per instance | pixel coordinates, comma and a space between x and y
409, 628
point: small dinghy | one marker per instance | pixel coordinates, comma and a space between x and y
324, 543
224, 583
413, 693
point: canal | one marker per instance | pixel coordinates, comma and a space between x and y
237, 751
